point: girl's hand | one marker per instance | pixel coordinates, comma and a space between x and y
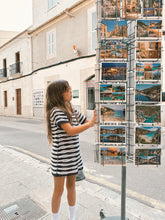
93, 120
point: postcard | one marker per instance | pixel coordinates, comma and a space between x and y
112, 92
113, 71
152, 8
112, 134
111, 8
148, 114
113, 49
150, 156
149, 28
148, 71
112, 113
148, 50
131, 9
148, 135
113, 29
148, 92
113, 155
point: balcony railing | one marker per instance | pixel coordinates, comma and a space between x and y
15, 68
3, 73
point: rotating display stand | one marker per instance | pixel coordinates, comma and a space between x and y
128, 86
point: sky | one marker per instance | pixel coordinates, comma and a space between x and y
15, 15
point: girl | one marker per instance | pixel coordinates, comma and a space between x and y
63, 126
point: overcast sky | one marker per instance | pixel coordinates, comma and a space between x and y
15, 15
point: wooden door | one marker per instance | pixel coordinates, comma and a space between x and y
18, 98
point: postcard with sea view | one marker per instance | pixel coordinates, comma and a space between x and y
112, 113
112, 92
148, 71
149, 28
113, 29
148, 135
148, 50
112, 134
113, 155
111, 8
148, 92
113, 49
152, 8
150, 156
148, 114
113, 71
131, 9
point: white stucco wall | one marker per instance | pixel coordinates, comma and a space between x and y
75, 73
41, 14
22, 44
25, 84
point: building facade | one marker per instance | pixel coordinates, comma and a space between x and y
59, 46
15, 84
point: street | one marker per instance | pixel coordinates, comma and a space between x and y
30, 135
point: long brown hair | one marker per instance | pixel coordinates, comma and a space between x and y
54, 98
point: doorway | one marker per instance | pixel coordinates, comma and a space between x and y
18, 100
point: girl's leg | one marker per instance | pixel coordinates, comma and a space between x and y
71, 189
71, 195
58, 191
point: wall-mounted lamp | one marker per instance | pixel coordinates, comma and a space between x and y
75, 50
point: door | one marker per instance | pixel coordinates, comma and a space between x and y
18, 98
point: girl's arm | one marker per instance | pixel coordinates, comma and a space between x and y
80, 128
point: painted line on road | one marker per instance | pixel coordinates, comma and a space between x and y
100, 181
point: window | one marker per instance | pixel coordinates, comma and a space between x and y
92, 23
51, 40
51, 4
5, 98
91, 93
91, 98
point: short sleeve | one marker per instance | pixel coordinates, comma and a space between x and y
81, 118
58, 117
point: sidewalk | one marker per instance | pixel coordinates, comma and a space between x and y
25, 180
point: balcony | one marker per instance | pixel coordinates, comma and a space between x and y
3, 74
16, 69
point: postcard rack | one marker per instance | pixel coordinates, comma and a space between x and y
128, 85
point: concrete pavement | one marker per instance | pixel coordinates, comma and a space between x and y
25, 180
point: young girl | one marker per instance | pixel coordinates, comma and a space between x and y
63, 126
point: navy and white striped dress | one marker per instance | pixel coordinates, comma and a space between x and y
65, 155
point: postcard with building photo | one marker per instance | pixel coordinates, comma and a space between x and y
148, 50
148, 71
148, 93
112, 92
113, 71
113, 155
112, 134
111, 8
149, 29
148, 135
148, 114
150, 156
113, 49
113, 29
152, 8
131, 9
112, 113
